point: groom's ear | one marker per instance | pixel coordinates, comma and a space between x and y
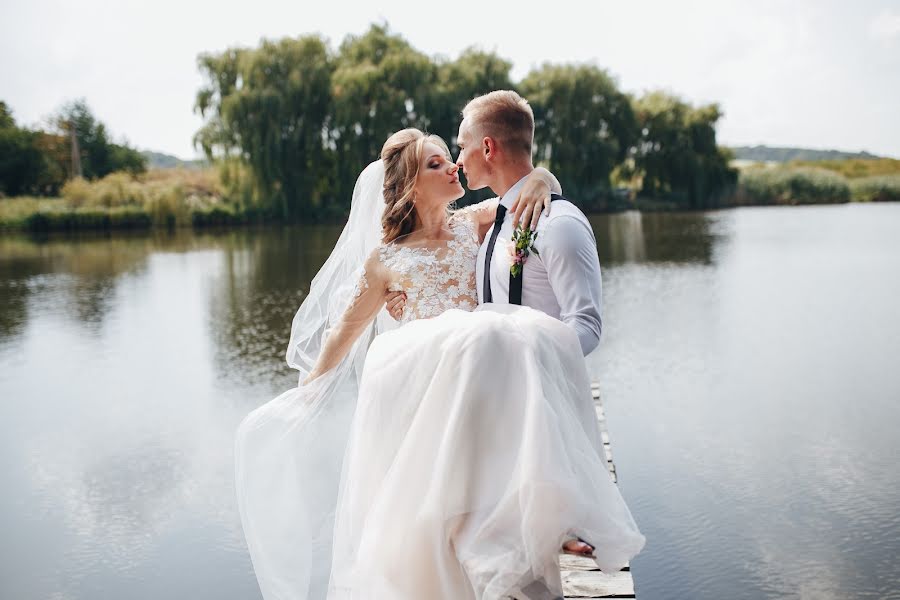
489, 148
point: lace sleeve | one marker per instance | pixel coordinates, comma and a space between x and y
366, 300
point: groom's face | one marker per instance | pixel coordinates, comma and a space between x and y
471, 160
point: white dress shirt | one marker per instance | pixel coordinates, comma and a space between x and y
563, 281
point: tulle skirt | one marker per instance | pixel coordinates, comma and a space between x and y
472, 454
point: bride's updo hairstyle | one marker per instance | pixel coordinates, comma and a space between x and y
402, 155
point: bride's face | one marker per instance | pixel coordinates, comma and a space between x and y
438, 180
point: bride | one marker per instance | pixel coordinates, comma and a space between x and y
450, 456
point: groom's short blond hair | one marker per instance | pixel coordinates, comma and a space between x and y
505, 116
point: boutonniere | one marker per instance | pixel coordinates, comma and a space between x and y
521, 246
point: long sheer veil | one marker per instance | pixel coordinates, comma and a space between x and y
289, 452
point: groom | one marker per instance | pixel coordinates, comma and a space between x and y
562, 278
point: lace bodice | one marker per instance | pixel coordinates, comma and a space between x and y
436, 278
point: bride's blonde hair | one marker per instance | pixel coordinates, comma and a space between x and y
402, 155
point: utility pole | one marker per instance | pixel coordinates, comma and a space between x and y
76, 153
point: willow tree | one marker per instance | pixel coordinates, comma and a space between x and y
584, 127
380, 85
472, 74
676, 156
270, 109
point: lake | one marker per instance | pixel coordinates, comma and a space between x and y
748, 366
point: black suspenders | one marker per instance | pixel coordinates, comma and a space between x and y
515, 283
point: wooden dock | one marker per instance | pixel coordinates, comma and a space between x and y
581, 577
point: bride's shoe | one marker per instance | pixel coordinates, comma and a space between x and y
589, 554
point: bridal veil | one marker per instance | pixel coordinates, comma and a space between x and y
288, 452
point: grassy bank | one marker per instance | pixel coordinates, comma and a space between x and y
158, 198
169, 198
827, 182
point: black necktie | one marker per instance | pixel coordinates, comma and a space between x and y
498, 222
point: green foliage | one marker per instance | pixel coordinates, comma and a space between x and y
676, 156
292, 123
289, 125
791, 185
880, 188
39, 162
88, 218
472, 74
27, 159
6, 118
380, 85
20, 161
584, 127
854, 168
160, 198
99, 155
269, 107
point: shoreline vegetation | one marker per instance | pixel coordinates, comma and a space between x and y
198, 198
288, 125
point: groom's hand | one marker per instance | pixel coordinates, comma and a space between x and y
395, 303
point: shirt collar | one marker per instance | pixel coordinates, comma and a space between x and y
512, 193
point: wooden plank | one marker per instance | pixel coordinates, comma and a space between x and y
597, 584
570, 562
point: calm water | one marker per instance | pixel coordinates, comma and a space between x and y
749, 370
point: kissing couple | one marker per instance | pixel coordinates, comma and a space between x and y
443, 441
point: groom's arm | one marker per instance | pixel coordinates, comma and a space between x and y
569, 253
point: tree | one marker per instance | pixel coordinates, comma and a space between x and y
99, 155
676, 156
472, 74
270, 108
25, 165
584, 126
6, 118
381, 85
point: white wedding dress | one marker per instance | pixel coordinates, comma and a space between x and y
471, 455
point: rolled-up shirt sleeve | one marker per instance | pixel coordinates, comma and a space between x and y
569, 252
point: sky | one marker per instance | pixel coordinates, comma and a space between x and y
808, 73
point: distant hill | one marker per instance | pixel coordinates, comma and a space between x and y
158, 160
772, 154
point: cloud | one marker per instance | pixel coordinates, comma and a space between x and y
885, 27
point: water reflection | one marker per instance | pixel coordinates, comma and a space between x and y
745, 366
633, 236
255, 296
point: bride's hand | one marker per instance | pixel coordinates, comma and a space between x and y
534, 198
395, 302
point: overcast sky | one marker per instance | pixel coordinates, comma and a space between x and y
811, 73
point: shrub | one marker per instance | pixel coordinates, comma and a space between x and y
881, 188
791, 185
